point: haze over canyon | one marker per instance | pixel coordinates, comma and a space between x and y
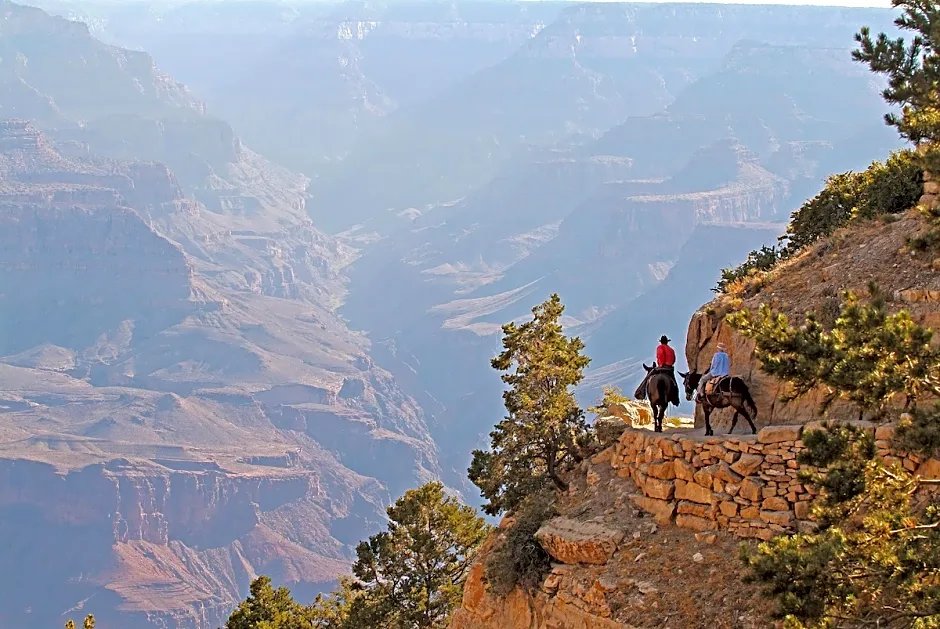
255, 256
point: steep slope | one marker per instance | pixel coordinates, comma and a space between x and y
620, 569
181, 404
47, 58
848, 260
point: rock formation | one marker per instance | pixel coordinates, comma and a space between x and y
813, 281
182, 410
616, 569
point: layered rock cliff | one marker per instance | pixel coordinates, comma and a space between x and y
180, 402
616, 567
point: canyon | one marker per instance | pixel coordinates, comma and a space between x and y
254, 257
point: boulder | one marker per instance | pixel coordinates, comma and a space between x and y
573, 542
776, 434
632, 412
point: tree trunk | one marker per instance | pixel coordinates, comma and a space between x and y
553, 474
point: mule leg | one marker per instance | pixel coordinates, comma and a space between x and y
658, 418
708, 422
747, 416
734, 421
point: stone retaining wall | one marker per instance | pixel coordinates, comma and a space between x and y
745, 484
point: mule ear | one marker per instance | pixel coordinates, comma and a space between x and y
684, 375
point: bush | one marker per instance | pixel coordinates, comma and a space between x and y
889, 187
519, 560
758, 261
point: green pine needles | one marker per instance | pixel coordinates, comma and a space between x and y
544, 427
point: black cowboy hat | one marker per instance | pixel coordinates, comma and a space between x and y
664, 339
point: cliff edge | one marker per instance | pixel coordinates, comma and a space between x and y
878, 251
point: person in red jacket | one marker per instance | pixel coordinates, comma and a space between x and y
665, 362
665, 355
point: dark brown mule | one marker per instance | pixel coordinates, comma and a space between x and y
661, 388
729, 391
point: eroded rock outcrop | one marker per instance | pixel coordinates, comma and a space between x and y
616, 568
813, 281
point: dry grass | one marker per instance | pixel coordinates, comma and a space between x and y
875, 250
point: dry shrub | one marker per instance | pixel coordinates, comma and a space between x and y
518, 560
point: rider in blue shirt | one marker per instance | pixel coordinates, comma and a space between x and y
721, 366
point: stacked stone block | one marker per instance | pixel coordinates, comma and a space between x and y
748, 485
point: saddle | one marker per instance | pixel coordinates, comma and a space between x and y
714, 386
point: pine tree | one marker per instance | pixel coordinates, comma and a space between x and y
875, 562
410, 576
541, 432
869, 357
912, 69
269, 608
414, 572
340, 608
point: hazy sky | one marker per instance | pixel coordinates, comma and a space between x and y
884, 4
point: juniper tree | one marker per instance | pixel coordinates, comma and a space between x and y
543, 426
